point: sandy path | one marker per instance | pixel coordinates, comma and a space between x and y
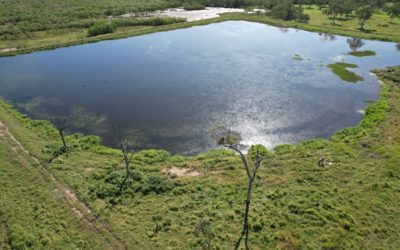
181, 172
78, 207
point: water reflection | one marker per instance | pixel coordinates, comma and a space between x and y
284, 30
327, 37
355, 43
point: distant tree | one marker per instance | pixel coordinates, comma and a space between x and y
335, 8
393, 11
355, 43
257, 153
286, 10
61, 125
379, 3
363, 14
320, 3
348, 7
327, 37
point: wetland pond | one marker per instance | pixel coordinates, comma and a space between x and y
168, 89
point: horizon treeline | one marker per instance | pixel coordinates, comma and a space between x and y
19, 18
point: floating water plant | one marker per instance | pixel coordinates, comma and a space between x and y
298, 57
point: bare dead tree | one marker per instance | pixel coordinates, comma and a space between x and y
61, 125
127, 153
230, 139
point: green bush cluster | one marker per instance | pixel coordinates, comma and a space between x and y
287, 10
109, 185
151, 156
193, 6
151, 21
101, 28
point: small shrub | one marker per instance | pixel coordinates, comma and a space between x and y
20, 238
152, 156
193, 6
215, 153
257, 227
284, 149
263, 152
100, 28
176, 159
152, 21
315, 144
156, 185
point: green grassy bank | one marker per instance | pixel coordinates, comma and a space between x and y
351, 202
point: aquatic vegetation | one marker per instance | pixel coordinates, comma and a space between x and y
298, 57
340, 69
362, 53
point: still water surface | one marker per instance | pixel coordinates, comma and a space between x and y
170, 88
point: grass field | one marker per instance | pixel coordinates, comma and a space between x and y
379, 27
351, 202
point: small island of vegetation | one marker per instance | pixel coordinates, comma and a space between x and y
362, 53
341, 70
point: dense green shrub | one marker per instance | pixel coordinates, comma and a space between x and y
315, 144
109, 185
81, 141
151, 156
156, 185
215, 153
286, 10
100, 28
20, 238
284, 149
152, 21
193, 6
262, 151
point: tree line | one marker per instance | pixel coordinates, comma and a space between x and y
18, 19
